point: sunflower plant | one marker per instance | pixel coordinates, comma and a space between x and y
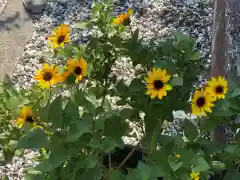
80, 109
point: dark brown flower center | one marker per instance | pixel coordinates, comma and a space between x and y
158, 84
201, 102
29, 119
219, 89
78, 70
60, 39
47, 76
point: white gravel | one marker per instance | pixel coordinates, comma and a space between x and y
154, 18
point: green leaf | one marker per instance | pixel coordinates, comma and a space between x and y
200, 165
91, 161
55, 113
91, 174
115, 127
143, 171
169, 65
174, 163
126, 113
81, 25
122, 89
89, 104
177, 81
114, 175
195, 56
56, 158
109, 145
35, 138
136, 85
70, 114
79, 98
13, 103
77, 129
235, 93
190, 130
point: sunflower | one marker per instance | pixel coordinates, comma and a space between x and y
48, 75
78, 68
26, 116
60, 36
123, 18
156, 83
195, 175
217, 87
202, 102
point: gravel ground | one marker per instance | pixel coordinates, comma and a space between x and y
154, 18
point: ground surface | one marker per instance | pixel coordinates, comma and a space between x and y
15, 29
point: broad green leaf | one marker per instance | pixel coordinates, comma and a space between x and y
126, 113
35, 138
77, 129
177, 81
157, 171
169, 65
91, 161
195, 56
109, 144
13, 103
114, 175
190, 130
200, 165
91, 174
89, 104
70, 113
115, 127
174, 163
136, 85
56, 158
79, 98
55, 113
81, 25
235, 93
233, 150
143, 171
122, 89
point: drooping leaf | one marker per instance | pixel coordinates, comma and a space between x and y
143, 171
55, 113
77, 129
190, 130
56, 158
115, 127
200, 165
35, 138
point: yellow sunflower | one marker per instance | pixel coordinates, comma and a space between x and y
77, 67
48, 75
60, 36
123, 18
217, 87
26, 116
156, 83
195, 175
202, 102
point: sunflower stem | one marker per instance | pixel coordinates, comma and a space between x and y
49, 95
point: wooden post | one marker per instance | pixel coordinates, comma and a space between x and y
219, 54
